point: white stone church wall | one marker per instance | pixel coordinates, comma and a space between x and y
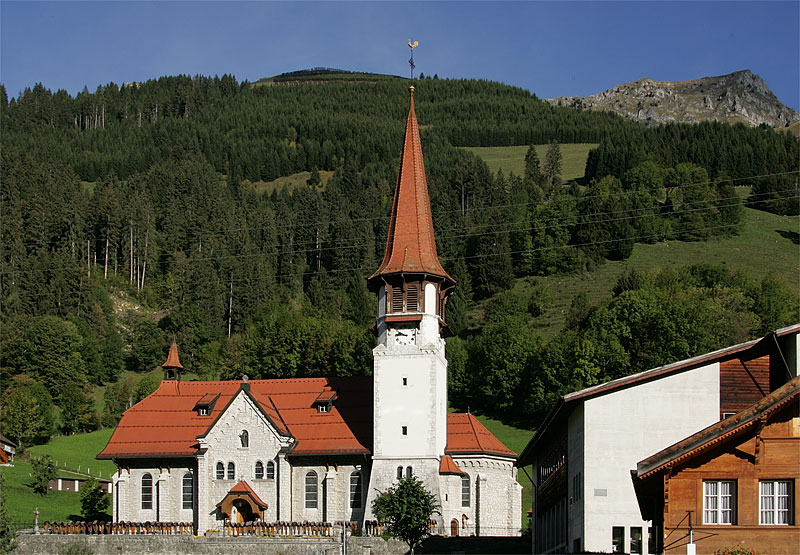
167, 491
495, 496
225, 446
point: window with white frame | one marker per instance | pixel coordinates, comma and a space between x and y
231, 471
465, 490
311, 490
719, 502
270, 470
220, 471
259, 470
775, 502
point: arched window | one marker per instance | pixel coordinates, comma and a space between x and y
231, 471
311, 490
465, 490
355, 490
270, 470
244, 437
399, 472
409, 472
147, 491
188, 491
259, 470
220, 471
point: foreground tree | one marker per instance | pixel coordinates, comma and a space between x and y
6, 529
94, 501
44, 470
407, 508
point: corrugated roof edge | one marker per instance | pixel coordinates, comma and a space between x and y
525, 457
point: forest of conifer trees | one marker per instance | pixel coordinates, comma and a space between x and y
132, 216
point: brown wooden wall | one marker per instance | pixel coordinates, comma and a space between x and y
776, 456
743, 382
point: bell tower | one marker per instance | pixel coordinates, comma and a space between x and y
410, 369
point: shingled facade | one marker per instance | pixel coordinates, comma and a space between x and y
319, 449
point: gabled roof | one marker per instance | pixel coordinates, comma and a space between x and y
467, 436
411, 244
165, 423
4, 439
720, 431
242, 489
567, 402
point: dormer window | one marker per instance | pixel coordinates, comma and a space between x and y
324, 401
205, 404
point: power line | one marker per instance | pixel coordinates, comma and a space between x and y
476, 210
278, 250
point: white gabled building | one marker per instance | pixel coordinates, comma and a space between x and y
583, 454
318, 449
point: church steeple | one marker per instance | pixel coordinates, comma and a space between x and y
410, 259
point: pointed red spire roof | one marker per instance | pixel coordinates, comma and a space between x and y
172, 357
411, 245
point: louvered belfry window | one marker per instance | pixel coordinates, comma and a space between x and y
412, 298
397, 298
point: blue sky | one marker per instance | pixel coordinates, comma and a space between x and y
549, 48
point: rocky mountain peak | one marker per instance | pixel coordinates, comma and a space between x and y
741, 96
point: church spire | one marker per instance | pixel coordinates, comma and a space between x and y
411, 244
172, 366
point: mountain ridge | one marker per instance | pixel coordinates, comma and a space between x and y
741, 96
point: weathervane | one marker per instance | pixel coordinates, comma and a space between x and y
412, 44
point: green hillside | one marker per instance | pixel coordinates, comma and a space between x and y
766, 244
512, 158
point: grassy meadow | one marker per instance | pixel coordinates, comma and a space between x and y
71, 453
512, 158
294, 181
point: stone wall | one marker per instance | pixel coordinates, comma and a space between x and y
29, 544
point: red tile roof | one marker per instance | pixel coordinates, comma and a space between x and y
466, 436
448, 466
243, 488
411, 244
166, 424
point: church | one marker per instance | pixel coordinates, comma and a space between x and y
321, 449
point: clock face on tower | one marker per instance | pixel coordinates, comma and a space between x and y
404, 336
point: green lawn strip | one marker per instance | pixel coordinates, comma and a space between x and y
512, 158
515, 439
78, 452
294, 181
21, 501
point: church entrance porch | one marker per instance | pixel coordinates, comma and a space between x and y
241, 504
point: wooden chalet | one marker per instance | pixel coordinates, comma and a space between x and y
732, 484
